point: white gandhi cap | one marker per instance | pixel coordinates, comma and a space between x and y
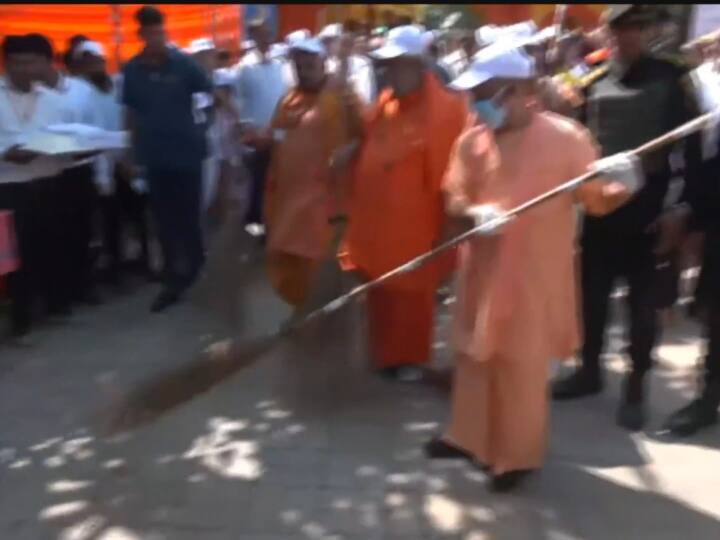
90, 47
490, 33
499, 61
331, 31
201, 45
407, 40
297, 35
309, 45
278, 50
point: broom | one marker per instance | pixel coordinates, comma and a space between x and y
165, 392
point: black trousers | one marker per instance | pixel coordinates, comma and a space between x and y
712, 357
257, 164
175, 204
36, 279
77, 199
603, 261
125, 209
707, 297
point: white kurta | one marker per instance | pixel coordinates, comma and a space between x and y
79, 107
109, 112
21, 115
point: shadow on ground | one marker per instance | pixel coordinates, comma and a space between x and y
304, 443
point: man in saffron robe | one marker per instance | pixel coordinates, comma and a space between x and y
311, 122
395, 201
516, 308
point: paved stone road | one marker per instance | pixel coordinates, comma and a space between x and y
310, 446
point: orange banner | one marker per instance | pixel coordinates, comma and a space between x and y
184, 22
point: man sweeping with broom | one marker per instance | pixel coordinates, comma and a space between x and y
516, 309
303, 198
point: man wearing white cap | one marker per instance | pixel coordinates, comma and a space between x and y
234, 181
516, 307
314, 120
396, 200
330, 36
111, 181
203, 51
298, 36
261, 82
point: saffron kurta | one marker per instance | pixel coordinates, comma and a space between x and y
301, 195
396, 213
516, 303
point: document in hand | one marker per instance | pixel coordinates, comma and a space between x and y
60, 139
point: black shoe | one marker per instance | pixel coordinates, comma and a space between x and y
631, 416
631, 413
164, 300
439, 449
692, 418
502, 483
60, 311
580, 384
403, 374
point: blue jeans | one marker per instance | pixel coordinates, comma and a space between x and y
174, 198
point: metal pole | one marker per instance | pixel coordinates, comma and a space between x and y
664, 140
213, 23
116, 20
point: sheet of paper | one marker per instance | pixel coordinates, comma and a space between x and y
64, 139
53, 144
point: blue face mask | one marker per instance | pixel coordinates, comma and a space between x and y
492, 114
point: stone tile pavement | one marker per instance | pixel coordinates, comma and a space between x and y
305, 444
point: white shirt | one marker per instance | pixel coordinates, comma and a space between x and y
108, 115
20, 115
78, 96
361, 76
259, 87
80, 106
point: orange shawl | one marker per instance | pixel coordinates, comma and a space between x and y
396, 202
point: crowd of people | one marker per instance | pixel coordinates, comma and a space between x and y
374, 149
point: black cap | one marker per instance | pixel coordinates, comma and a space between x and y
622, 14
